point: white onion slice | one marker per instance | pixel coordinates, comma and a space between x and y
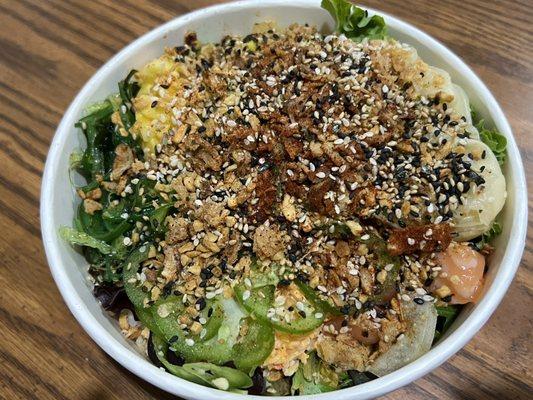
482, 204
416, 341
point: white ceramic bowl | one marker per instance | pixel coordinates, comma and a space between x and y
58, 199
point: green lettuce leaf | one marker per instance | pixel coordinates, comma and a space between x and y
446, 316
77, 237
314, 377
494, 230
354, 22
495, 140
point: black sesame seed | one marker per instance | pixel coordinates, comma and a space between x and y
249, 38
418, 300
167, 289
173, 339
201, 303
284, 282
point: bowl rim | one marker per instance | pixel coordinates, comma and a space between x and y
138, 365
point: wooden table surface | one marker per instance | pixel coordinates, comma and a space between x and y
48, 50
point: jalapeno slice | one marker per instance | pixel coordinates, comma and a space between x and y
255, 346
315, 299
206, 374
135, 292
262, 303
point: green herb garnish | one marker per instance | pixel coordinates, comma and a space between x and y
354, 22
446, 316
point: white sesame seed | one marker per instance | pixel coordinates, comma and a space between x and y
246, 295
189, 342
221, 383
320, 175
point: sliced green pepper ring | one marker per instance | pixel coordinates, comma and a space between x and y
167, 312
260, 302
255, 300
146, 317
233, 377
215, 313
130, 268
320, 304
191, 347
255, 346
161, 348
206, 374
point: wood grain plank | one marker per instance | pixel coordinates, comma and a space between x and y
48, 50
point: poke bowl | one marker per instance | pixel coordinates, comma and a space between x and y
299, 218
